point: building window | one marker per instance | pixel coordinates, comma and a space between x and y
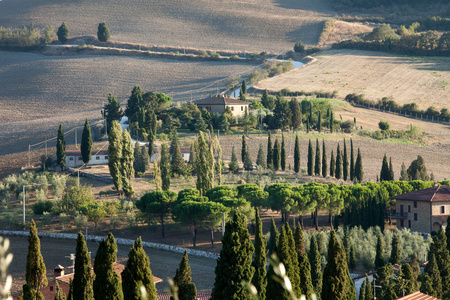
106, 156
401, 223
80, 158
442, 209
242, 108
415, 204
415, 216
97, 157
409, 208
70, 158
409, 223
232, 108
51, 288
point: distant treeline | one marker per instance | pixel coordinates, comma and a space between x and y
26, 37
378, 3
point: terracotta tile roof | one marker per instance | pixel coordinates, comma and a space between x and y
417, 296
220, 100
93, 152
432, 194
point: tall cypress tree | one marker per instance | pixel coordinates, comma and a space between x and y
115, 154
276, 155
70, 293
310, 159
243, 149
36, 274
296, 114
369, 289
338, 168
137, 274
337, 283
234, 263
384, 173
273, 238
431, 280
303, 263
362, 291
319, 122
183, 280
61, 148
86, 143
352, 161
127, 161
283, 153
259, 279
332, 164
244, 87
297, 155
261, 160
379, 260
292, 269
204, 163
233, 165
59, 292
107, 284
177, 161
82, 279
391, 169
396, 254
151, 137
165, 167
331, 123
441, 253
359, 173
269, 152
133, 104
345, 162
315, 260
324, 160
317, 163
112, 111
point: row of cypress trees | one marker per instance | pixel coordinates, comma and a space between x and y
85, 146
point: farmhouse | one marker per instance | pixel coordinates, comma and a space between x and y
185, 152
219, 103
74, 159
424, 210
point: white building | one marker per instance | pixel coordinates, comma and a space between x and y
74, 159
185, 152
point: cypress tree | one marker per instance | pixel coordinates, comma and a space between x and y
59, 292
137, 273
396, 254
244, 87
292, 267
379, 260
352, 161
233, 165
337, 283
369, 289
384, 173
183, 280
259, 279
82, 279
112, 111
177, 161
447, 233
324, 160
319, 122
133, 104
362, 291
331, 121
165, 167
410, 282
276, 155
86, 143
234, 263
243, 149
151, 137
273, 238
70, 293
269, 152
107, 284
404, 174
338, 168
439, 249
352, 258
359, 173
432, 281
391, 169
63, 33
332, 164
317, 163
127, 160
296, 114
260, 160
307, 125
36, 273
61, 148
115, 153
297, 155
103, 33
304, 266
283, 153
204, 164
138, 164
310, 159
345, 162
315, 260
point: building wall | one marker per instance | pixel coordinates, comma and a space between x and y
77, 161
49, 291
437, 208
212, 108
422, 211
238, 110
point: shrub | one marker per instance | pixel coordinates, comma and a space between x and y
64, 219
103, 33
384, 125
63, 33
299, 47
80, 221
42, 206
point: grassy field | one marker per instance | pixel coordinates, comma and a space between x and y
268, 25
423, 80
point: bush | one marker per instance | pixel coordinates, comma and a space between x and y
384, 125
299, 47
103, 33
63, 33
42, 206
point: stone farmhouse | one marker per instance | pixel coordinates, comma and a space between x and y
424, 210
218, 104
74, 159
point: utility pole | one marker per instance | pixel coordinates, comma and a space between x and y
29, 149
76, 137
375, 286
23, 202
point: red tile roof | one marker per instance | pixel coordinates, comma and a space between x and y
220, 100
417, 296
432, 194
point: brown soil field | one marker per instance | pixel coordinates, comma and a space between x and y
268, 25
423, 80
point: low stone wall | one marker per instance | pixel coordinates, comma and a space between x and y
119, 241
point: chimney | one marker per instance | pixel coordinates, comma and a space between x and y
435, 183
58, 271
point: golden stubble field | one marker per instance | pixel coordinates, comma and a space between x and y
423, 80
267, 25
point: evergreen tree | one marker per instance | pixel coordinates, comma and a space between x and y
396, 254
233, 165
304, 266
283, 154
345, 162
307, 126
409, 280
234, 263
61, 148
369, 289
137, 274
127, 160
70, 293
362, 291
332, 164
259, 279
324, 160
204, 163
269, 152
441, 253
319, 122
379, 260
103, 33
296, 114
331, 121
273, 238
244, 149
384, 173
248, 164
431, 280
177, 161
244, 87
338, 168
352, 161
63, 33
276, 155
417, 170
139, 165
403, 173
310, 159
107, 284
352, 259
359, 173
115, 154
260, 160
86, 143
391, 169
337, 283
447, 233
151, 137
165, 167
36, 273
315, 260
317, 163
292, 268
112, 111
133, 105
297, 155
82, 279
59, 292
183, 280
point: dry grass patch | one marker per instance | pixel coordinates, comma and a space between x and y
336, 31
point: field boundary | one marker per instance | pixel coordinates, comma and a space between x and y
119, 241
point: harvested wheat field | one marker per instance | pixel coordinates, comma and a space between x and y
268, 25
423, 80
